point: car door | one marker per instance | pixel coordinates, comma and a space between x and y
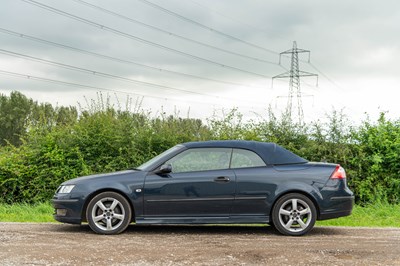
253, 184
200, 185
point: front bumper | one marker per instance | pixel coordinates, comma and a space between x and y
67, 210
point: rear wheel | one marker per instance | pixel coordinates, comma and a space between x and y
108, 213
294, 214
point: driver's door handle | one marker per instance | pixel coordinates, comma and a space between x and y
222, 179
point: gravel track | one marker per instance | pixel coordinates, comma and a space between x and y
60, 244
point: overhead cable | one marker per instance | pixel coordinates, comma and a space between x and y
206, 27
130, 36
106, 75
325, 76
171, 33
60, 82
220, 13
24, 36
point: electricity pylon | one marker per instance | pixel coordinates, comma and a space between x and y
294, 83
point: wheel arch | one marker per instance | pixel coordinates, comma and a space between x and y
298, 191
97, 192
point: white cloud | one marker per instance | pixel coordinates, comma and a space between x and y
354, 44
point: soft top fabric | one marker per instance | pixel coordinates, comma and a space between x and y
271, 153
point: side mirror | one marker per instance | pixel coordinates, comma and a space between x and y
164, 169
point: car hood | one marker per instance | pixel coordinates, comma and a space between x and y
90, 178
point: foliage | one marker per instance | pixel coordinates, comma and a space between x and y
33, 171
101, 139
376, 164
22, 212
49, 145
370, 215
375, 215
14, 113
18, 114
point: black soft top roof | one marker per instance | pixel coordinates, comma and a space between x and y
270, 152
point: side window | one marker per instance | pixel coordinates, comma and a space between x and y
245, 158
201, 159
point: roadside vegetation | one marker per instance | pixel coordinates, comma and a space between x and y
377, 215
24, 212
42, 145
374, 215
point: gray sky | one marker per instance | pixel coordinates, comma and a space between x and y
226, 54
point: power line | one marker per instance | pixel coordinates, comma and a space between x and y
130, 36
206, 27
216, 11
60, 82
243, 23
240, 22
324, 75
24, 36
9, 73
106, 75
170, 33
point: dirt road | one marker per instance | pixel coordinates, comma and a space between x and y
58, 244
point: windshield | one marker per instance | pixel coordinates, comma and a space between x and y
155, 159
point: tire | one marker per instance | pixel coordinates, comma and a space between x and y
294, 214
108, 213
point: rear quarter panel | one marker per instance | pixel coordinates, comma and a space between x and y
258, 188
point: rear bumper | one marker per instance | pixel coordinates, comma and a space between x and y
339, 206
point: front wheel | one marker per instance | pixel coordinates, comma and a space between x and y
294, 214
108, 213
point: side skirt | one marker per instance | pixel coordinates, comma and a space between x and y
203, 220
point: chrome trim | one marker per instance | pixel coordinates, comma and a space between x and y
251, 198
342, 198
64, 200
209, 199
195, 199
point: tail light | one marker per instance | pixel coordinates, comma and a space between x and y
339, 173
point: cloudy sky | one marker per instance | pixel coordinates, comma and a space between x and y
203, 56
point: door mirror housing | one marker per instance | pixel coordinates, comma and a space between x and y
164, 169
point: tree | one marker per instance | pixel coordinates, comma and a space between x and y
14, 113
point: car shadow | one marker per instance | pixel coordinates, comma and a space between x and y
200, 229
72, 228
221, 229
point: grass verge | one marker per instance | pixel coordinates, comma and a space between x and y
377, 215
37, 213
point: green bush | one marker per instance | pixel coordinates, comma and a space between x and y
55, 144
376, 164
31, 173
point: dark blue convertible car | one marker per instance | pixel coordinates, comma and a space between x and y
211, 182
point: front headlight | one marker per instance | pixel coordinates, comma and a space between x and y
65, 189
